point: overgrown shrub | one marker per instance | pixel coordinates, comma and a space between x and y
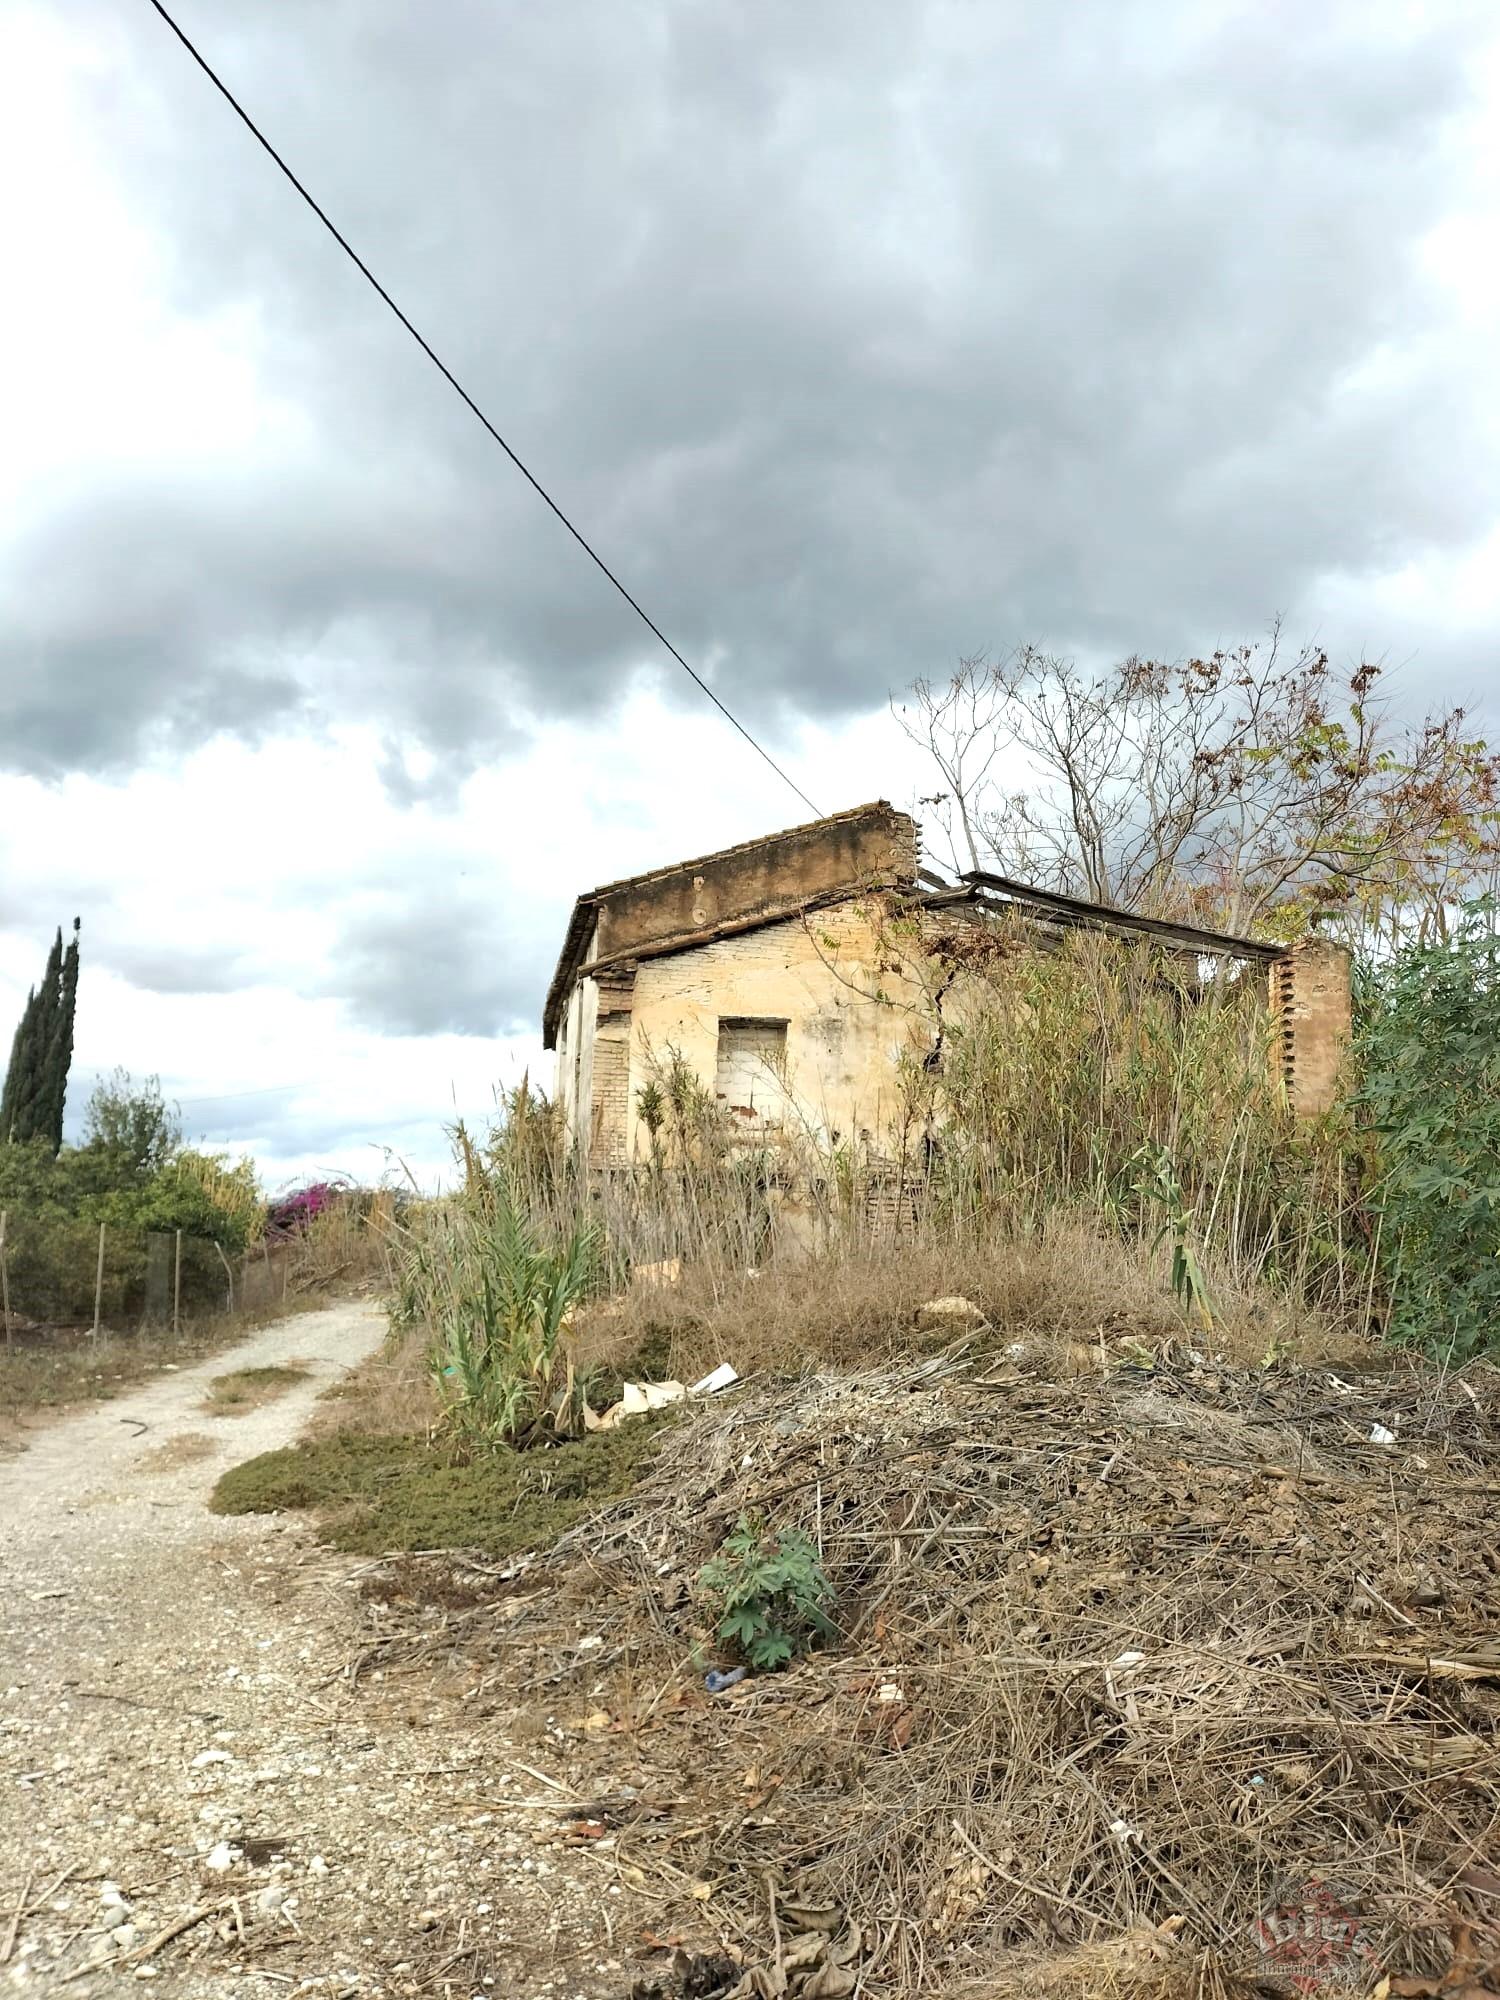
131, 1125
1428, 1045
497, 1294
133, 1176
1085, 1089
1064, 1066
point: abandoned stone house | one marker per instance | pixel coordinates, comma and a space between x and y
765, 968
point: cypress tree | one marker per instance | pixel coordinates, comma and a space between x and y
36, 1084
20, 1077
59, 1054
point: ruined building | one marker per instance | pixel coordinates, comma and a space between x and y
768, 969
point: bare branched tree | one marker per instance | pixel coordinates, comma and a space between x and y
1246, 788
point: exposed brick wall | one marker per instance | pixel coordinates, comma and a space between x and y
609, 1112
1310, 999
842, 1046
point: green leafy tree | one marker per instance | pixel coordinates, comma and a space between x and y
1429, 1048
132, 1124
206, 1195
36, 1083
133, 1173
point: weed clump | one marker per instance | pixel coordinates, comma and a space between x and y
375, 1495
245, 1389
499, 1296
768, 1593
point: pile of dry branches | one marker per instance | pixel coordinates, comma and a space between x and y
1189, 1655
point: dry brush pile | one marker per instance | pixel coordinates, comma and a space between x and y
1179, 1655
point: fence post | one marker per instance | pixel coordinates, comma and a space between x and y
99, 1283
177, 1288
229, 1270
5, 1280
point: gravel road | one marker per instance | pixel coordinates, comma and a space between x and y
181, 1747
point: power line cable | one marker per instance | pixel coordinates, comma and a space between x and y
447, 373
234, 1096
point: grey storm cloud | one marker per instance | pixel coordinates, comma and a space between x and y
855, 336
435, 961
276, 1126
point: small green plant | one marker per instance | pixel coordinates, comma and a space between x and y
768, 1593
651, 1104
1154, 1180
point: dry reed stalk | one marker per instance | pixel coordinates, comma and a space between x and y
1084, 1706
1061, 1069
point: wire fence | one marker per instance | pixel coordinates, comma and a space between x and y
60, 1271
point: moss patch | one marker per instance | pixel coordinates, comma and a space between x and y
377, 1494
248, 1388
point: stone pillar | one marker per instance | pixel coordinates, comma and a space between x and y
1310, 999
609, 1112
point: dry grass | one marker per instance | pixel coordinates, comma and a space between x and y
388, 1395
1147, 1963
1070, 1294
51, 1369
58, 1368
346, 1244
186, 1449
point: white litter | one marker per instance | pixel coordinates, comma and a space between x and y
1117, 1679
722, 1377
639, 1399
636, 1398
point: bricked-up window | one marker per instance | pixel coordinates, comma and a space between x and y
750, 1076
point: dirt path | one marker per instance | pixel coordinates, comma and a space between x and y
179, 1741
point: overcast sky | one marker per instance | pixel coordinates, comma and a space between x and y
858, 336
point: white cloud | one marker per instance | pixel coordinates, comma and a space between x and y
217, 896
943, 334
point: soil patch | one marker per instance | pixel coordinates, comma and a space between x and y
51, 1368
187, 1448
48, 1369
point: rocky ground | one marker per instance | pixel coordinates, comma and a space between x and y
199, 1796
